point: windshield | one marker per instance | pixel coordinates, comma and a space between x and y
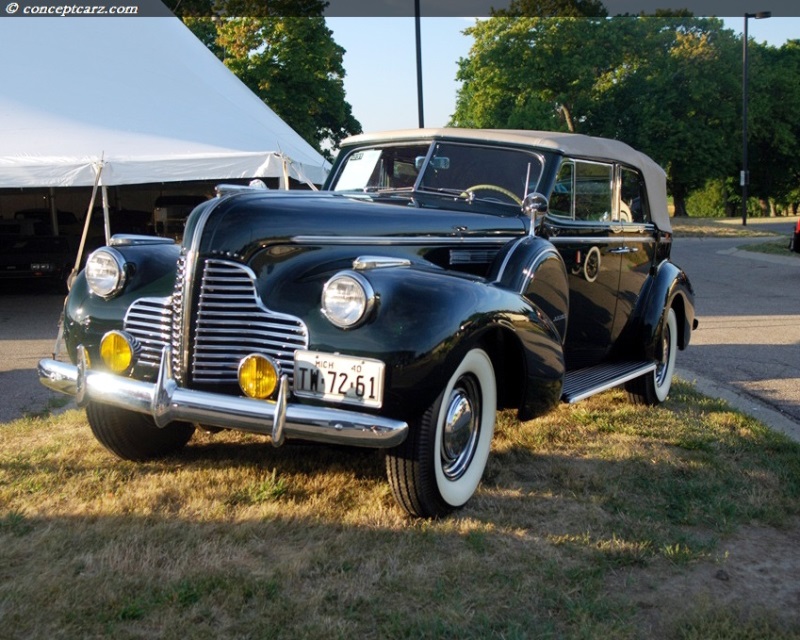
466, 170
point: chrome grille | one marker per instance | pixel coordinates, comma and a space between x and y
232, 322
149, 320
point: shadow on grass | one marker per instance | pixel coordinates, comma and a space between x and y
234, 538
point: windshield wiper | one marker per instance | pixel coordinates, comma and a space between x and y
381, 190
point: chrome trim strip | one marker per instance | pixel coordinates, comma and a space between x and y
167, 402
600, 240
366, 263
190, 268
135, 240
508, 258
400, 240
530, 270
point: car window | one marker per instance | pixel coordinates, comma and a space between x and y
392, 167
484, 173
633, 199
506, 175
583, 191
593, 189
561, 198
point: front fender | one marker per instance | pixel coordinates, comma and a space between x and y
150, 272
427, 319
533, 267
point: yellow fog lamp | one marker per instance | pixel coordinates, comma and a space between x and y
119, 351
258, 375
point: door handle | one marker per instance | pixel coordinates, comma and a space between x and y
623, 250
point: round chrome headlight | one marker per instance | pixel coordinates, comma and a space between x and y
347, 299
105, 272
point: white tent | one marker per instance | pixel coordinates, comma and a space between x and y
132, 101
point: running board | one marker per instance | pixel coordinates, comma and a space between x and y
583, 383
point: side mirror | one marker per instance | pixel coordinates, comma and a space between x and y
535, 205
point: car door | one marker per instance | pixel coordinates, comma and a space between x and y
636, 244
580, 223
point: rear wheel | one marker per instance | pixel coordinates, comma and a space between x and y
135, 436
653, 388
439, 466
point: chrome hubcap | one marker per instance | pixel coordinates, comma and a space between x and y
461, 428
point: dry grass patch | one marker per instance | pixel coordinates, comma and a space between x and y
775, 248
236, 539
714, 228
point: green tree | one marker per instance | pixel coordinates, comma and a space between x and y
553, 8
774, 124
665, 85
533, 72
682, 105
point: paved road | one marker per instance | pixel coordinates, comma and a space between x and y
28, 328
749, 311
748, 341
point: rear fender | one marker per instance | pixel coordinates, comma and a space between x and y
669, 287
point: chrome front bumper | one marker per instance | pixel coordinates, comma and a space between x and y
166, 402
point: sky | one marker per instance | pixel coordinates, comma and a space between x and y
380, 63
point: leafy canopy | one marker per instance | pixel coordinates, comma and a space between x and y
665, 85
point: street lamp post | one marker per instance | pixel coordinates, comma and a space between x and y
744, 178
420, 109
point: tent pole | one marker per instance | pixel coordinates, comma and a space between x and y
106, 216
285, 174
86, 223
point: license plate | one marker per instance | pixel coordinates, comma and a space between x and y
336, 378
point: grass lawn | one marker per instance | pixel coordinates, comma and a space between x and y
585, 517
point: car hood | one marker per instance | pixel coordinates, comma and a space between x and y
242, 224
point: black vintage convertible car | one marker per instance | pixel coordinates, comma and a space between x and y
440, 275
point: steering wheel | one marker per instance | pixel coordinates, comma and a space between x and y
493, 187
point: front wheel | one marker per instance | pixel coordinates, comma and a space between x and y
439, 466
653, 388
135, 436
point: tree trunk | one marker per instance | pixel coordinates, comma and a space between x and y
564, 110
679, 200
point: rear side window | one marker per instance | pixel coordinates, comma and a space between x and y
632, 197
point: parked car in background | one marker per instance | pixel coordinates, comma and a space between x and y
170, 214
794, 242
68, 224
441, 275
30, 252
